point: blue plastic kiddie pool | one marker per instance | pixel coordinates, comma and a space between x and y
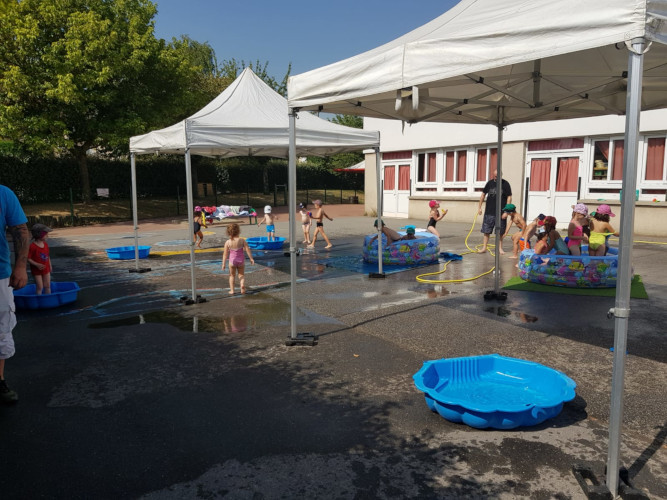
493, 391
126, 253
263, 243
61, 293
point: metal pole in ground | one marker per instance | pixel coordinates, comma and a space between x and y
621, 310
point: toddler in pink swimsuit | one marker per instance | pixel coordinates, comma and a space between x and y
575, 231
234, 248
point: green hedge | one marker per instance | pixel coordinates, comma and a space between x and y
50, 179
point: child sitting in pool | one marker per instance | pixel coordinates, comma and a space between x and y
554, 240
234, 248
541, 245
393, 236
531, 228
575, 231
600, 230
269, 219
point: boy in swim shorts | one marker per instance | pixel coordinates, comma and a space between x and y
269, 219
318, 215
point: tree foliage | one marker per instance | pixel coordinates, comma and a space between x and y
341, 160
82, 74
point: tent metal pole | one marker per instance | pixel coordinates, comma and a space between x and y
621, 310
191, 225
294, 338
499, 196
378, 168
135, 217
291, 181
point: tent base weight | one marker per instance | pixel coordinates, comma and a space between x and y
491, 294
188, 301
376, 275
302, 339
596, 489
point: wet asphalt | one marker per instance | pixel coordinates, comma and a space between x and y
131, 393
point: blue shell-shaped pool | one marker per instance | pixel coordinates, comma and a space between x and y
63, 292
493, 391
126, 253
263, 243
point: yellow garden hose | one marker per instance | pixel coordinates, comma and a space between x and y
490, 247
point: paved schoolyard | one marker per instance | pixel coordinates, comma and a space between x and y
129, 393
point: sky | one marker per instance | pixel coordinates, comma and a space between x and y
307, 33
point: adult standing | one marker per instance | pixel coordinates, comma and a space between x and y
13, 221
490, 191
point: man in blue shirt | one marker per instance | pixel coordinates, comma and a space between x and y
13, 220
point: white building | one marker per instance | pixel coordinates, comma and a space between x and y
550, 166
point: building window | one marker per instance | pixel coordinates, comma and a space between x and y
607, 160
456, 164
427, 172
655, 159
487, 161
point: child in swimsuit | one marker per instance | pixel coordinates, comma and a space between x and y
197, 230
319, 225
575, 231
518, 242
233, 251
39, 258
553, 239
434, 217
541, 245
531, 228
393, 236
305, 222
269, 219
600, 230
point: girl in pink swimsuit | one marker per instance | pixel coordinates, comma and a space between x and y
234, 248
575, 231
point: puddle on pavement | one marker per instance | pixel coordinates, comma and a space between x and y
504, 312
258, 315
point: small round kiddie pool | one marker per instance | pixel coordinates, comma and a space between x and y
578, 271
493, 391
126, 253
62, 293
424, 249
263, 243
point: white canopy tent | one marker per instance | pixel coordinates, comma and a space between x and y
515, 61
248, 118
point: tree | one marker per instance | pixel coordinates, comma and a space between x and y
341, 160
232, 68
83, 74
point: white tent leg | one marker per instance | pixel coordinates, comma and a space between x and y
294, 338
135, 217
380, 208
291, 187
499, 197
621, 309
191, 225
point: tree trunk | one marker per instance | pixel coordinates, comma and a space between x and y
265, 179
82, 160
